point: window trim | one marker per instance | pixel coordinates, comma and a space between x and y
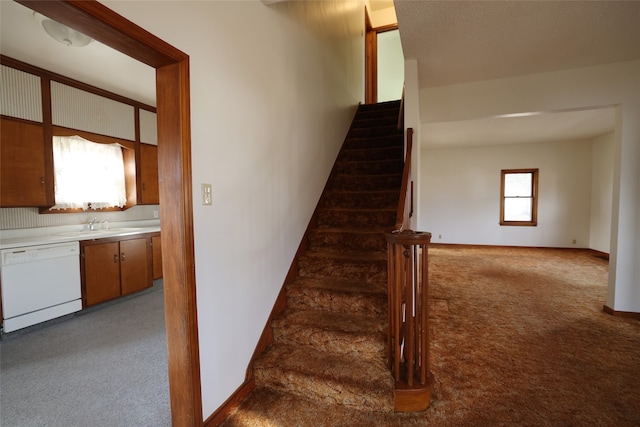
534, 197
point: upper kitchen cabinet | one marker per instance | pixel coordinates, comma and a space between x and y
148, 180
23, 174
150, 194
25, 157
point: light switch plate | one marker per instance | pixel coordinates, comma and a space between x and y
207, 197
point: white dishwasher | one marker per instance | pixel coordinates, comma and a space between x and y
39, 283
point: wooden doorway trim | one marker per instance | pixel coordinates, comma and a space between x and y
174, 166
370, 61
371, 57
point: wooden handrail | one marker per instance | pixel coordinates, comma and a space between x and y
408, 304
401, 112
404, 204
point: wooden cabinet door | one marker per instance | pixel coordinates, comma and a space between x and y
156, 244
22, 170
149, 174
101, 272
135, 271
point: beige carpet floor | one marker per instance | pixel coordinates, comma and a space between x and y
518, 338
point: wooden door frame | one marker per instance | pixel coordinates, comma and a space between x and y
371, 58
174, 167
370, 61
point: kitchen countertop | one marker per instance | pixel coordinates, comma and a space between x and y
18, 238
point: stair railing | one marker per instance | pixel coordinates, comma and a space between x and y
408, 304
401, 112
404, 204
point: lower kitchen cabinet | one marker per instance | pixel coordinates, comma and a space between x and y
114, 267
156, 244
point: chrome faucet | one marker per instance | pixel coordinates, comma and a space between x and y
104, 224
92, 224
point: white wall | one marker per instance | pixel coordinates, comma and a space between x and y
390, 66
412, 120
460, 200
381, 17
273, 92
601, 192
607, 85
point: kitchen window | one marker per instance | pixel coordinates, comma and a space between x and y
87, 175
519, 197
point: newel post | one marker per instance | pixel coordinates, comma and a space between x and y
408, 311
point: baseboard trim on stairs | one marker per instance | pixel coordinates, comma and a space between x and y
626, 314
234, 400
266, 338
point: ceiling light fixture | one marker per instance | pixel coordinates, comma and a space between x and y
61, 33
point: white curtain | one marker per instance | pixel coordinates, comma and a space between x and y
87, 174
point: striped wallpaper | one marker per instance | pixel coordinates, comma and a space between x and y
13, 218
148, 127
20, 94
76, 109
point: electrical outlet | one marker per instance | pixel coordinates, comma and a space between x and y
206, 194
155, 214
439, 236
575, 241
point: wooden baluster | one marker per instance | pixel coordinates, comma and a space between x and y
409, 315
418, 309
398, 311
425, 314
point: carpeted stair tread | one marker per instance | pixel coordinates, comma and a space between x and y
338, 296
372, 153
359, 336
346, 181
356, 218
369, 167
343, 287
385, 199
285, 409
363, 132
348, 238
385, 141
346, 256
352, 265
325, 377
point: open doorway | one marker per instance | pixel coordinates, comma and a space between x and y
174, 164
384, 61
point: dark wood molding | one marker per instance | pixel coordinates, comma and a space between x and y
174, 159
47, 124
104, 25
178, 258
371, 59
385, 28
233, 401
625, 314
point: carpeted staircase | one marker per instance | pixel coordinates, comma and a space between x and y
330, 342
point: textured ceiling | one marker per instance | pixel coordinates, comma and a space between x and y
462, 41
